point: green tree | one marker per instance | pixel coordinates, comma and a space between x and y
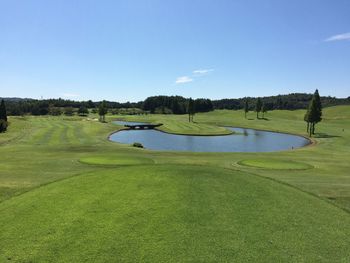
311, 115
318, 105
314, 113
263, 109
306, 119
83, 111
3, 117
190, 110
3, 113
246, 108
90, 104
258, 107
102, 111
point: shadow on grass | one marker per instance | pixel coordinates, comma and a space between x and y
325, 135
260, 119
252, 119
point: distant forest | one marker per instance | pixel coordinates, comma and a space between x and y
293, 101
169, 104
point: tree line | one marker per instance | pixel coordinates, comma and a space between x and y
18, 107
169, 104
175, 105
294, 101
155, 104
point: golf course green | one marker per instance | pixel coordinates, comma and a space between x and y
68, 194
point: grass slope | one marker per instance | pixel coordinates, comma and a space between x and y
330, 178
62, 174
115, 160
275, 164
171, 214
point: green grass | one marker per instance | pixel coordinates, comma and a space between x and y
170, 213
67, 194
115, 160
275, 164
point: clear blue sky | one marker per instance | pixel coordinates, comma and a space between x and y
128, 50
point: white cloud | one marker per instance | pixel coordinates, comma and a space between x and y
340, 37
195, 73
183, 79
70, 95
202, 71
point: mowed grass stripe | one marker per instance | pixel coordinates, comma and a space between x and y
57, 134
75, 135
64, 134
79, 133
42, 132
71, 136
47, 139
169, 213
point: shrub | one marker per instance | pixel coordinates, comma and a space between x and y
69, 111
55, 111
83, 111
137, 144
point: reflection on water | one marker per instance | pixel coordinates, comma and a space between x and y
245, 140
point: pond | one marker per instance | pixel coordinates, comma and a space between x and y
243, 140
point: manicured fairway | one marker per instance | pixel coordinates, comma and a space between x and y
275, 164
171, 214
67, 194
115, 160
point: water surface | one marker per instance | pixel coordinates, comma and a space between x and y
244, 140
